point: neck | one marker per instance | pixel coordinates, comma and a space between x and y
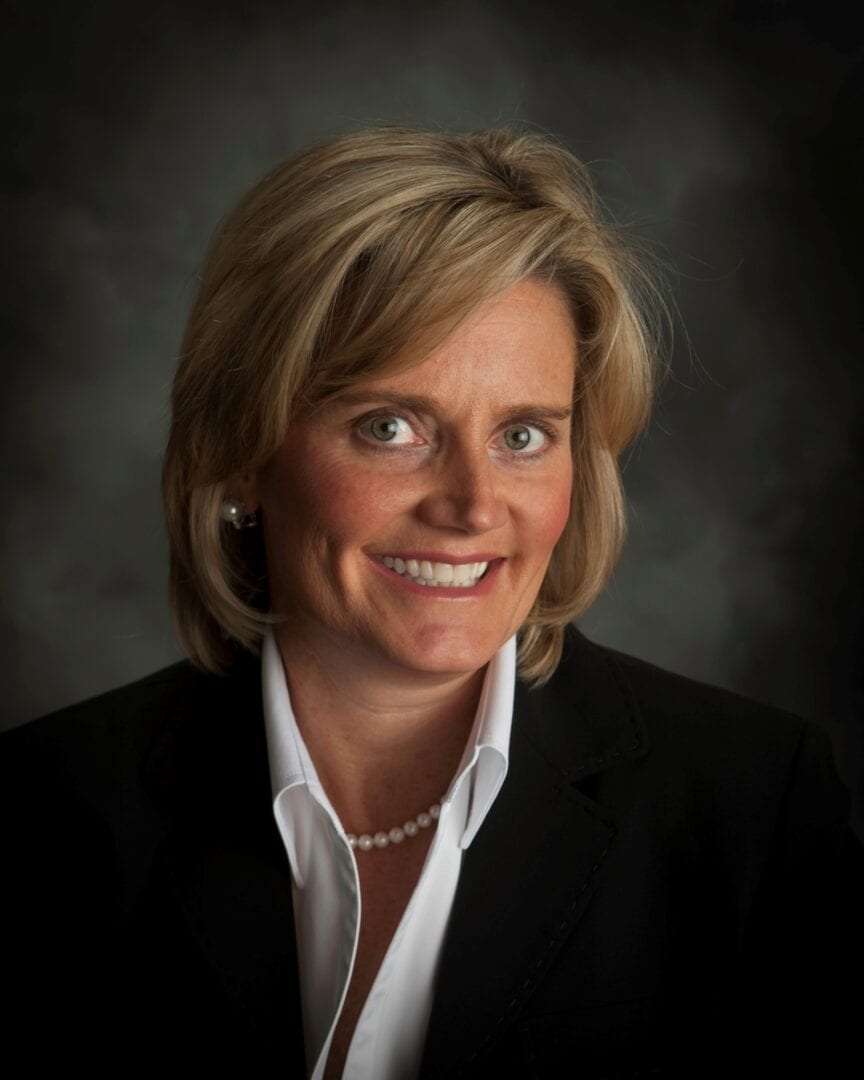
385, 743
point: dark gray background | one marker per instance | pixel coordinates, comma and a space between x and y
727, 134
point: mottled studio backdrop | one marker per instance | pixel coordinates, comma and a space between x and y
727, 134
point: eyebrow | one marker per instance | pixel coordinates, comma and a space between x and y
421, 404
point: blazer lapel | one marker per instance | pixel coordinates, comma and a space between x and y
532, 869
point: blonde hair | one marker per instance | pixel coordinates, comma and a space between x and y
324, 271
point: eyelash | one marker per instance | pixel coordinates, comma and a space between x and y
551, 435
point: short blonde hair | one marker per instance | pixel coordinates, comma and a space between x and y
324, 271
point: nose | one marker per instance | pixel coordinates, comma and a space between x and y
465, 493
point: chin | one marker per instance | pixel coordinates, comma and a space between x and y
450, 654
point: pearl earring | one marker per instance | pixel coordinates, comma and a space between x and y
233, 511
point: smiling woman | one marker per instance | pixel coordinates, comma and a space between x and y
356, 259
396, 817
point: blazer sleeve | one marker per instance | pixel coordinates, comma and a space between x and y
802, 991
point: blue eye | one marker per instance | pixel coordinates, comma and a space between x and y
521, 437
392, 430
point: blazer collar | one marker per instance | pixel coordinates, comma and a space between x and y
534, 865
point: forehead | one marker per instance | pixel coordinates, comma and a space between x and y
523, 339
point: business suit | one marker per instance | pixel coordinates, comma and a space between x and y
664, 884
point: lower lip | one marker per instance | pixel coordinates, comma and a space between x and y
443, 592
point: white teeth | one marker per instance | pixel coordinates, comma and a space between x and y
439, 574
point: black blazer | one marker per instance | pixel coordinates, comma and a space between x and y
665, 886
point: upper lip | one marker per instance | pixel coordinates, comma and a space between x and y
439, 556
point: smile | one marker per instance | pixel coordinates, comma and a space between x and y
437, 575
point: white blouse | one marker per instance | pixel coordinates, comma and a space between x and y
388, 1040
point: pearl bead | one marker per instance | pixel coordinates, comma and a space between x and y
395, 835
231, 510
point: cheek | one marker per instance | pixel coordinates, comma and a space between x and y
330, 501
551, 514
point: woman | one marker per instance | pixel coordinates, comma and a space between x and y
345, 839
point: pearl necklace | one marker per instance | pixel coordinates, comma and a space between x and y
396, 835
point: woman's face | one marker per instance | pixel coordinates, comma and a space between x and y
409, 523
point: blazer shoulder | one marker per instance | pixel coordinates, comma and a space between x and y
695, 719
128, 704
97, 741
668, 693
172, 685
702, 745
